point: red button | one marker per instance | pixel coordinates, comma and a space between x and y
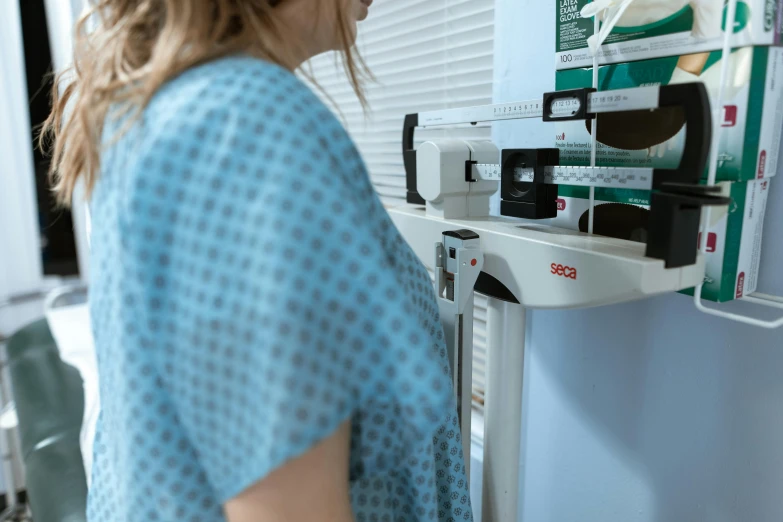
473, 263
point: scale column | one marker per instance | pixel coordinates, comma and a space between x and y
503, 410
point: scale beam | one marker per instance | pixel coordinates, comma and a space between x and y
621, 100
605, 177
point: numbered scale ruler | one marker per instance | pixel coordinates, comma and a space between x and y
638, 98
611, 177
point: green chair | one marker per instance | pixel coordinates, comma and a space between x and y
49, 404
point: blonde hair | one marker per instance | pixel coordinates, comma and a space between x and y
137, 46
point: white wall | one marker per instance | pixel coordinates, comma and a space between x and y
20, 263
20, 254
645, 412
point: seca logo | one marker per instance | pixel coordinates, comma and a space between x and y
564, 271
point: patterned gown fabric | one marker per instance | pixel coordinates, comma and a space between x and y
249, 295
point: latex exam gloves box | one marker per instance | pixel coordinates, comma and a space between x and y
752, 114
733, 237
657, 28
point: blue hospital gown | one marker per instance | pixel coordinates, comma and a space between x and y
249, 295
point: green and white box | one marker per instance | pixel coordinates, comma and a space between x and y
752, 114
657, 28
733, 240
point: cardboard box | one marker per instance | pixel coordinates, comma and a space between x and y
658, 28
752, 114
734, 235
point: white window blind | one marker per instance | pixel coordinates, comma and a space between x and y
425, 55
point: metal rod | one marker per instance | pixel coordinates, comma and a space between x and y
19, 299
771, 325
771, 303
503, 410
767, 297
40, 293
465, 379
594, 137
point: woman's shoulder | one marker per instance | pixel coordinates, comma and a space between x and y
248, 109
240, 76
251, 90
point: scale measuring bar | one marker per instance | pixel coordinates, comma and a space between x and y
637, 98
610, 177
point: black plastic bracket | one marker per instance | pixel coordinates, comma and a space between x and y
694, 100
463, 234
469, 171
491, 287
581, 95
409, 159
675, 215
535, 200
677, 199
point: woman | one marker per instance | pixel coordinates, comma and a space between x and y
268, 345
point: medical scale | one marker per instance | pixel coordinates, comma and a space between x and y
520, 263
